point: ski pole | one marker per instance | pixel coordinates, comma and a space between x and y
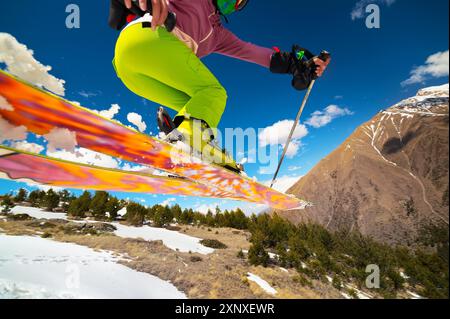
297, 120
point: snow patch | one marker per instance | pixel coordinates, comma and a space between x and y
36, 268
261, 283
441, 90
171, 239
122, 212
414, 295
37, 213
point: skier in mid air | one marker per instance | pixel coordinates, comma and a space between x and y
157, 57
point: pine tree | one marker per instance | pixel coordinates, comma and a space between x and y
64, 196
51, 200
21, 196
80, 206
167, 216
7, 204
113, 207
210, 221
257, 255
136, 214
41, 198
98, 204
33, 198
176, 212
163, 216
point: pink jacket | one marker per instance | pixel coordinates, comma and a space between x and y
200, 27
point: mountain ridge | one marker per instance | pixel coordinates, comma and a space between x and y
389, 179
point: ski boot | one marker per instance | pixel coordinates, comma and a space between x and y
200, 137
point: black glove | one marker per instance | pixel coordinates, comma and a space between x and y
299, 63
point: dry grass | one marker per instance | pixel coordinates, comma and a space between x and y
234, 239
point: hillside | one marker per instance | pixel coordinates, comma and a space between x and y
389, 179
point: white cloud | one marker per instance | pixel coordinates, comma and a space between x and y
294, 168
45, 188
250, 208
326, 116
205, 208
138, 168
109, 114
136, 119
278, 134
86, 94
28, 147
4, 104
85, 156
436, 66
293, 148
61, 138
266, 170
9, 132
284, 183
168, 201
359, 9
19, 61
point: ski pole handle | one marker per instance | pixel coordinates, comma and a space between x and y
324, 55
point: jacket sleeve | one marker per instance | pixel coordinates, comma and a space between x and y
230, 45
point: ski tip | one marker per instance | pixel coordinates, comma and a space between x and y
302, 206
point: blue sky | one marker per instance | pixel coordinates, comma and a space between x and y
365, 76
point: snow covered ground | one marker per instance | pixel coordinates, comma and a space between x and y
171, 239
262, 283
37, 213
32, 267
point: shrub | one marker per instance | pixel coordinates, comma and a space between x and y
196, 259
19, 217
337, 283
257, 255
213, 243
302, 280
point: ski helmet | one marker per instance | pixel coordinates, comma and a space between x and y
227, 7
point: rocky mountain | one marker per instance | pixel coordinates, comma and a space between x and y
389, 179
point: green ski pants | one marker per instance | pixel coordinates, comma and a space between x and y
157, 66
